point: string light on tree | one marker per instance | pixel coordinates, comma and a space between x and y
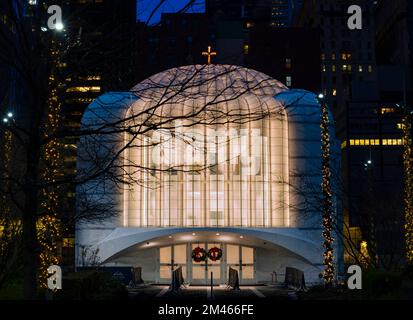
48, 225
5, 234
408, 187
327, 204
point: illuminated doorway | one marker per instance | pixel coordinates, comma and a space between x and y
240, 258
170, 258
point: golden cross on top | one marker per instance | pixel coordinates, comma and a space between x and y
209, 54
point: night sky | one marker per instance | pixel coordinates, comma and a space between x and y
145, 7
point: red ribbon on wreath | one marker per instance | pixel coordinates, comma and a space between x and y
215, 253
199, 254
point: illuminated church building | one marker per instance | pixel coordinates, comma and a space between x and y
244, 188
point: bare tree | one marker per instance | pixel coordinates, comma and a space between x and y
376, 225
26, 49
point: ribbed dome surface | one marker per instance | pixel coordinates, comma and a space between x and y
221, 92
208, 80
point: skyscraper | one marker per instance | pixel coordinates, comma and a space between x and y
365, 114
278, 13
281, 13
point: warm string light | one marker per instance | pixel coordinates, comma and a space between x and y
364, 256
5, 234
408, 188
48, 225
327, 198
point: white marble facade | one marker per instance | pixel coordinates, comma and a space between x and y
251, 193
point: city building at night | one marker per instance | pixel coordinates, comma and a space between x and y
241, 188
364, 75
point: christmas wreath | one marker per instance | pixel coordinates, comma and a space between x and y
215, 253
199, 254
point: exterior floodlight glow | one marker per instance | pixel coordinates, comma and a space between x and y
5, 120
10, 114
321, 96
369, 162
59, 26
44, 29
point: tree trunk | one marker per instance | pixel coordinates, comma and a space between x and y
29, 234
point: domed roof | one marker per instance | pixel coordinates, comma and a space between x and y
208, 80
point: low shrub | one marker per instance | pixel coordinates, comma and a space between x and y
382, 283
91, 285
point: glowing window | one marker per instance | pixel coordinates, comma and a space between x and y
288, 64
83, 89
246, 49
386, 110
288, 81
68, 242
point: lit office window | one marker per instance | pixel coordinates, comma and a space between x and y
334, 92
288, 81
83, 89
374, 142
346, 56
401, 126
334, 68
90, 78
288, 64
246, 48
68, 242
360, 68
370, 68
386, 110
